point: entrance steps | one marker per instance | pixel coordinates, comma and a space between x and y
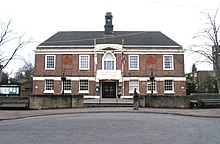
108, 102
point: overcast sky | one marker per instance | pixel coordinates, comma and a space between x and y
178, 19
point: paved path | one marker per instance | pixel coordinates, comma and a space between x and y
17, 114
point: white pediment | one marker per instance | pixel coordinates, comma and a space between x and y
108, 46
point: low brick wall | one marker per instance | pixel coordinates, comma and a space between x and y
55, 101
176, 101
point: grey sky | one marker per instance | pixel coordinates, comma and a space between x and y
178, 19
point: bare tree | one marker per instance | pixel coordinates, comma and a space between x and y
25, 74
8, 36
210, 49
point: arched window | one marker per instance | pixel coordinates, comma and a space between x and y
109, 61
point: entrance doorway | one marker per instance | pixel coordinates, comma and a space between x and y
108, 89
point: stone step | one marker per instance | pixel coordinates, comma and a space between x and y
108, 102
108, 105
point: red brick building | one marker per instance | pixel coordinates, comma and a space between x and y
107, 63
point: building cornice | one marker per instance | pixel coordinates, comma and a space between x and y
101, 50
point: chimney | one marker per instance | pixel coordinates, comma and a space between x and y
108, 23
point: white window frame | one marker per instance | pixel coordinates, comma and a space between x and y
149, 86
45, 86
171, 65
83, 91
133, 85
88, 62
46, 62
67, 91
169, 91
104, 58
130, 68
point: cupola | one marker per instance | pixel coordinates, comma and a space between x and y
108, 23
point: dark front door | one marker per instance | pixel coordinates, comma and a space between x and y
109, 90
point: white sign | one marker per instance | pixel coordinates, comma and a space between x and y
9, 90
108, 74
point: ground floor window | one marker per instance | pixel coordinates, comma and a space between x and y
149, 86
133, 84
49, 86
67, 86
169, 86
84, 86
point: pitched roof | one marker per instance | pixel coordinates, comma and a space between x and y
79, 38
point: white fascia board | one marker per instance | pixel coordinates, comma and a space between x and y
100, 47
68, 78
124, 78
155, 51
64, 51
156, 78
103, 46
66, 46
152, 46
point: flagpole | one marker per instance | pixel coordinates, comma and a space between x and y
95, 58
122, 66
95, 63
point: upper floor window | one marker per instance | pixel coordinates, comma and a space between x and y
168, 62
84, 62
50, 62
133, 62
109, 61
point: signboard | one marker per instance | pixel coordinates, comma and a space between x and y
109, 74
9, 90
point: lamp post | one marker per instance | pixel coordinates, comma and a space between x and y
152, 80
63, 78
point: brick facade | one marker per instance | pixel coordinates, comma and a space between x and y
74, 54
72, 72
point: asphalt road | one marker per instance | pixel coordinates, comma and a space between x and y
111, 128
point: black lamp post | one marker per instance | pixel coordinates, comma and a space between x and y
63, 78
152, 81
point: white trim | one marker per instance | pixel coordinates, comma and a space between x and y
80, 62
156, 78
137, 62
152, 46
68, 46
138, 86
83, 92
45, 63
49, 91
172, 64
173, 88
67, 91
113, 46
169, 92
105, 45
132, 91
103, 59
118, 49
124, 78
149, 91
